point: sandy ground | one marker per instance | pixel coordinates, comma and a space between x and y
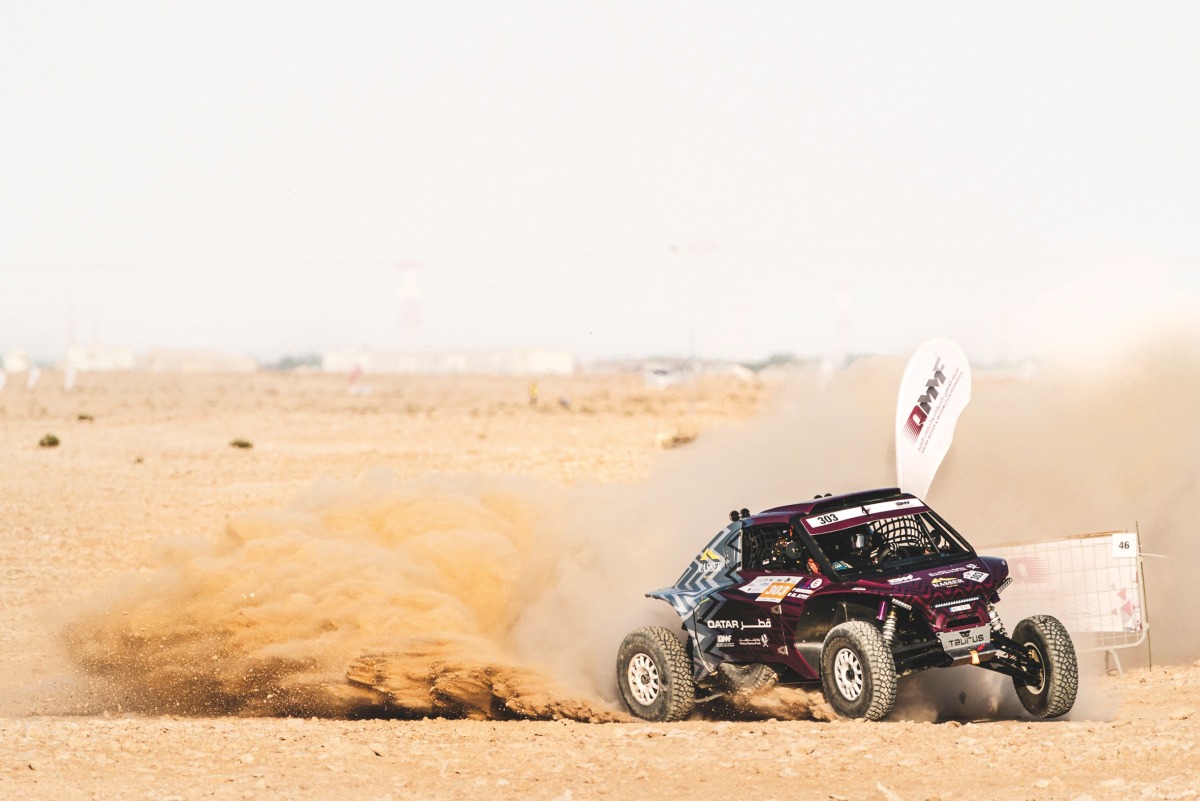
147, 458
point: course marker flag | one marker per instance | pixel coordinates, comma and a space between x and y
935, 389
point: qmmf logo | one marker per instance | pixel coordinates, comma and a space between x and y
920, 412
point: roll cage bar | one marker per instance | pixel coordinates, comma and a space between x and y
800, 533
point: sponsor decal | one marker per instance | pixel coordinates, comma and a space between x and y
724, 624
960, 608
710, 561
975, 575
776, 591
858, 589
816, 584
920, 412
782, 650
724, 639
803, 593
973, 566
760, 642
946, 581
762, 582
761, 623
948, 571
965, 638
902, 579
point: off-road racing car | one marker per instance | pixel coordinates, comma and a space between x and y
854, 591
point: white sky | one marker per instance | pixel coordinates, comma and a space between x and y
611, 177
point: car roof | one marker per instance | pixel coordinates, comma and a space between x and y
783, 514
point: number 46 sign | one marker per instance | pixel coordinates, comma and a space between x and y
1124, 545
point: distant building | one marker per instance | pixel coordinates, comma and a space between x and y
16, 361
195, 360
514, 361
99, 357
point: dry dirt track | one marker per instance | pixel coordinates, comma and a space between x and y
155, 463
1149, 751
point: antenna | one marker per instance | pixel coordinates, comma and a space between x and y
410, 295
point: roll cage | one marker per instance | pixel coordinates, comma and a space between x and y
870, 545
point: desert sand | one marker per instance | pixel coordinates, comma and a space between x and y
177, 614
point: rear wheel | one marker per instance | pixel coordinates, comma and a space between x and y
1049, 646
654, 675
858, 673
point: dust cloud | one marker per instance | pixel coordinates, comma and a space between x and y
268, 617
490, 597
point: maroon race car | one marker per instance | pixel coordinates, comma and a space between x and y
854, 591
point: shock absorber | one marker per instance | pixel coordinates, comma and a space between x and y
889, 628
997, 623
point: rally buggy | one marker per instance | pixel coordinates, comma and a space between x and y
854, 591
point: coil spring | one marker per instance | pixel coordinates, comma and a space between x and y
889, 628
997, 623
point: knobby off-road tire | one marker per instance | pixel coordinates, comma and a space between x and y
858, 672
654, 674
746, 680
1047, 643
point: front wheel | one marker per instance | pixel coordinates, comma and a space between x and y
654, 674
1049, 647
858, 673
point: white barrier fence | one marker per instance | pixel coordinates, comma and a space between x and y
1092, 583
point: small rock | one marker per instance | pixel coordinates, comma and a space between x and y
887, 792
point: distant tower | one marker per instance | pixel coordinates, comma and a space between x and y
410, 305
841, 348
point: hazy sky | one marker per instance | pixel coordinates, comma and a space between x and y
617, 178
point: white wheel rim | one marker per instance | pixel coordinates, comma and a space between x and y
848, 674
642, 678
1035, 654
